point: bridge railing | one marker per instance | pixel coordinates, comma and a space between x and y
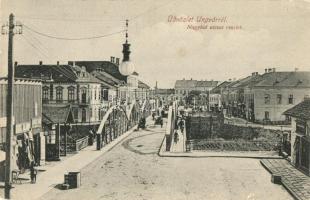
114, 123
171, 123
232, 145
117, 120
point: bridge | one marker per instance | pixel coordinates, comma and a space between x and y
119, 119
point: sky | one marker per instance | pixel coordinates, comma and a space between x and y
267, 34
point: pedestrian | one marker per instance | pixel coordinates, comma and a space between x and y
162, 113
161, 122
33, 173
181, 125
153, 116
91, 137
176, 137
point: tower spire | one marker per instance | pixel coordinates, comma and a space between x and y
127, 30
126, 46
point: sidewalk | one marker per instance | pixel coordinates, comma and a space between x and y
179, 146
54, 174
297, 183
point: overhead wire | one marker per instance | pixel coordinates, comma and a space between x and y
34, 46
67, 38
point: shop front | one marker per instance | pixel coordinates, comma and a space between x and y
55, 120
28, 145
302, 146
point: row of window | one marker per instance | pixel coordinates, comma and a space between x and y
267, 116
47, 93
279, 99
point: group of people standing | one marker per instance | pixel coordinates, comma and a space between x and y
179, 124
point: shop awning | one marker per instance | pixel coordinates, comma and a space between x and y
52, 114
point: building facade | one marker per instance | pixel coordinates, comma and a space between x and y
184, 87
28, 139
275, 93
68, 85
300, 135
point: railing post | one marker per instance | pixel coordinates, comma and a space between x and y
99, 141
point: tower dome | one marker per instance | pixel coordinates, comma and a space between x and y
126, 68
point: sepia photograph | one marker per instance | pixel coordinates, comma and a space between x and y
155, 100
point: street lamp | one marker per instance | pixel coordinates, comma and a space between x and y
126, 68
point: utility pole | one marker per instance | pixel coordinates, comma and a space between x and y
9, 106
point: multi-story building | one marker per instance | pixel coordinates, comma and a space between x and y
263, 98
125, 89
205, 86
215, 102
68, 85
184, 87
300, 135
29, 141
276, 92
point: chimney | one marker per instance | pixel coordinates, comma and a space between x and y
234, 79
229, 79
117, 61
112, 59
269, 70
266, 70
16, 63
40, 63
273, 69
57, 62
296, 69
73, 63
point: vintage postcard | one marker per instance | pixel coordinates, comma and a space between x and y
155, 100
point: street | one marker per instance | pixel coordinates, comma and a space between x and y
133, 170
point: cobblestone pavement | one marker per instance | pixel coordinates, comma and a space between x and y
297, 183
132, 170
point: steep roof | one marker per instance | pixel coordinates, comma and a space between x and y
301, 110
106, 79
185, 83
164, 91
56, 114
206, 83
143, 85
59, 73
106, 66
285, 79
247, 81
217, 89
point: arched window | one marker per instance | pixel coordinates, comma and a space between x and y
45, 95
83, 95
71, 93
59, 94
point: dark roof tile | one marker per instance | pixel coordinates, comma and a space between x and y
301, 110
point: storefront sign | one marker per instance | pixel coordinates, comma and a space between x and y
36, 122
22, 127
